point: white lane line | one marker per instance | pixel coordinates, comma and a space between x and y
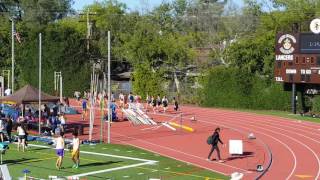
112, 169
284, 144
272, 118
306, 146
291, 127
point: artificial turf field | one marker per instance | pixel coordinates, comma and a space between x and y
40, 161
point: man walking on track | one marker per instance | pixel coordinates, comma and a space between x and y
213, 141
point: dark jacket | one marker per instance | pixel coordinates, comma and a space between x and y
216, 139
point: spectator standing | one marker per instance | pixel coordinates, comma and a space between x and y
2, 129
9, 128
21, 137
148, 101
175, 104
159, 102
165, 103
121, 100
154, 104
77, 95
130, 98
62, 120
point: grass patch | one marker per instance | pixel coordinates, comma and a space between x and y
41, 163
283, 114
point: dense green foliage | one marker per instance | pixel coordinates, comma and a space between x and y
149, 42
147, 82
235, 88
246, 81
163, 47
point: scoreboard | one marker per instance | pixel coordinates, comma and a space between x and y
297, 58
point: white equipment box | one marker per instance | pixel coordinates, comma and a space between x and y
235, 147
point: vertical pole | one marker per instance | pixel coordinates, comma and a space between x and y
61, 99
109, 88
8, 74
88, 30
293, 99
90, 110
55, 82
39, 93
102, 107
12, 55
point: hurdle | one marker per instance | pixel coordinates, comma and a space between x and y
187, 128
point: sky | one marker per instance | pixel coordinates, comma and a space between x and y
133, 4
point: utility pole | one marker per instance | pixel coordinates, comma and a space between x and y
40, 54
12, 55
88, 30
89, 26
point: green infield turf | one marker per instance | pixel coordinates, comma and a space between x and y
285, 114
102, 161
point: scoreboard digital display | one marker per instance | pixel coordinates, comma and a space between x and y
309, 43
297, 58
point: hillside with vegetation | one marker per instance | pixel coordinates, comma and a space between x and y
208, 52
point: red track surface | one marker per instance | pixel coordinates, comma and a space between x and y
294, 145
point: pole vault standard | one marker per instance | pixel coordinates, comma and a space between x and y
109, 88
39, 93
6, 74
58, 86
102, 104
92, 100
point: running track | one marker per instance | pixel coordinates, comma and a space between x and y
295, 146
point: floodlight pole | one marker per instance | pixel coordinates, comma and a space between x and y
40, 52
12, 55
109, 89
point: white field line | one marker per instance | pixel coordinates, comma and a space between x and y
102, 154
113, 169
144, 161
